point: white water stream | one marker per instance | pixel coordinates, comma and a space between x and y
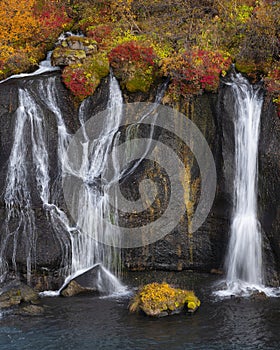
244, 267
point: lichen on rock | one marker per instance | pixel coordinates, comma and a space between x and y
161, 299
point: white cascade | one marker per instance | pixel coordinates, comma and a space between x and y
29, 162
86, 250
244, 270
93, 200
29, 124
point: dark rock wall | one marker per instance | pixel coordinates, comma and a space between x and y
202, 250
269, 188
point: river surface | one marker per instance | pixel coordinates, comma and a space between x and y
90, 322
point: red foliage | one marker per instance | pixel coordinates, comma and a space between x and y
100, 33
53, 18
195, 71
77, 83
273, 81
132, 52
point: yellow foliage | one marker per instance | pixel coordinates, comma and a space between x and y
155, 298
17, 22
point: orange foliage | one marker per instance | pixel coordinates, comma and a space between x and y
24, 25
17, 22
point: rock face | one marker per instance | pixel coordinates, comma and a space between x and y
202, 250
269, 188
73, 49
16, 293
180, 249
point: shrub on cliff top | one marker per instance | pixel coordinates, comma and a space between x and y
132, 52
82, 79
134, 64
194, 71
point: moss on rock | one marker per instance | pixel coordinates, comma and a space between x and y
62, 56
139, 81
160, 299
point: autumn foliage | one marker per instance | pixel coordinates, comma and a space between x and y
191, 42
26, 26
132, 52
134, 63
53, 18
194, 71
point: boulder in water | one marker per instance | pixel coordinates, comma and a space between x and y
20, 298
31, 310
15, 293
74, 288
95, 279
160, 299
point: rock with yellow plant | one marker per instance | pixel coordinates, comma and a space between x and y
161, 299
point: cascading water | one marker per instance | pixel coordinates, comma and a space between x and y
244, 257
93, 200
29, 163
29, 155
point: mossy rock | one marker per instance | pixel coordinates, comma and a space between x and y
99, 65
160, 299
139, 81
80, 43
62, 56
16, 293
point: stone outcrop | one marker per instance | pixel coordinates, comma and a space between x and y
73, 49
19, 295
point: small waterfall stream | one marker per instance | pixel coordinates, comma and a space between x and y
244, 262
244, 270
92, 198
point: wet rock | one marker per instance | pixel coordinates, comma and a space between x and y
259, 296
74, 288
31, 310
73, 49
86, 282
15, 293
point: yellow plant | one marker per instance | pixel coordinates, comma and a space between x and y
156, 298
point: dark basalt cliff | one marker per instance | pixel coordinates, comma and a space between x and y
202, 250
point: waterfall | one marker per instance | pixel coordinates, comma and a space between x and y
44, 67
244, 270
29, 162
92, 197
93, 203
29, 124
95, 164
